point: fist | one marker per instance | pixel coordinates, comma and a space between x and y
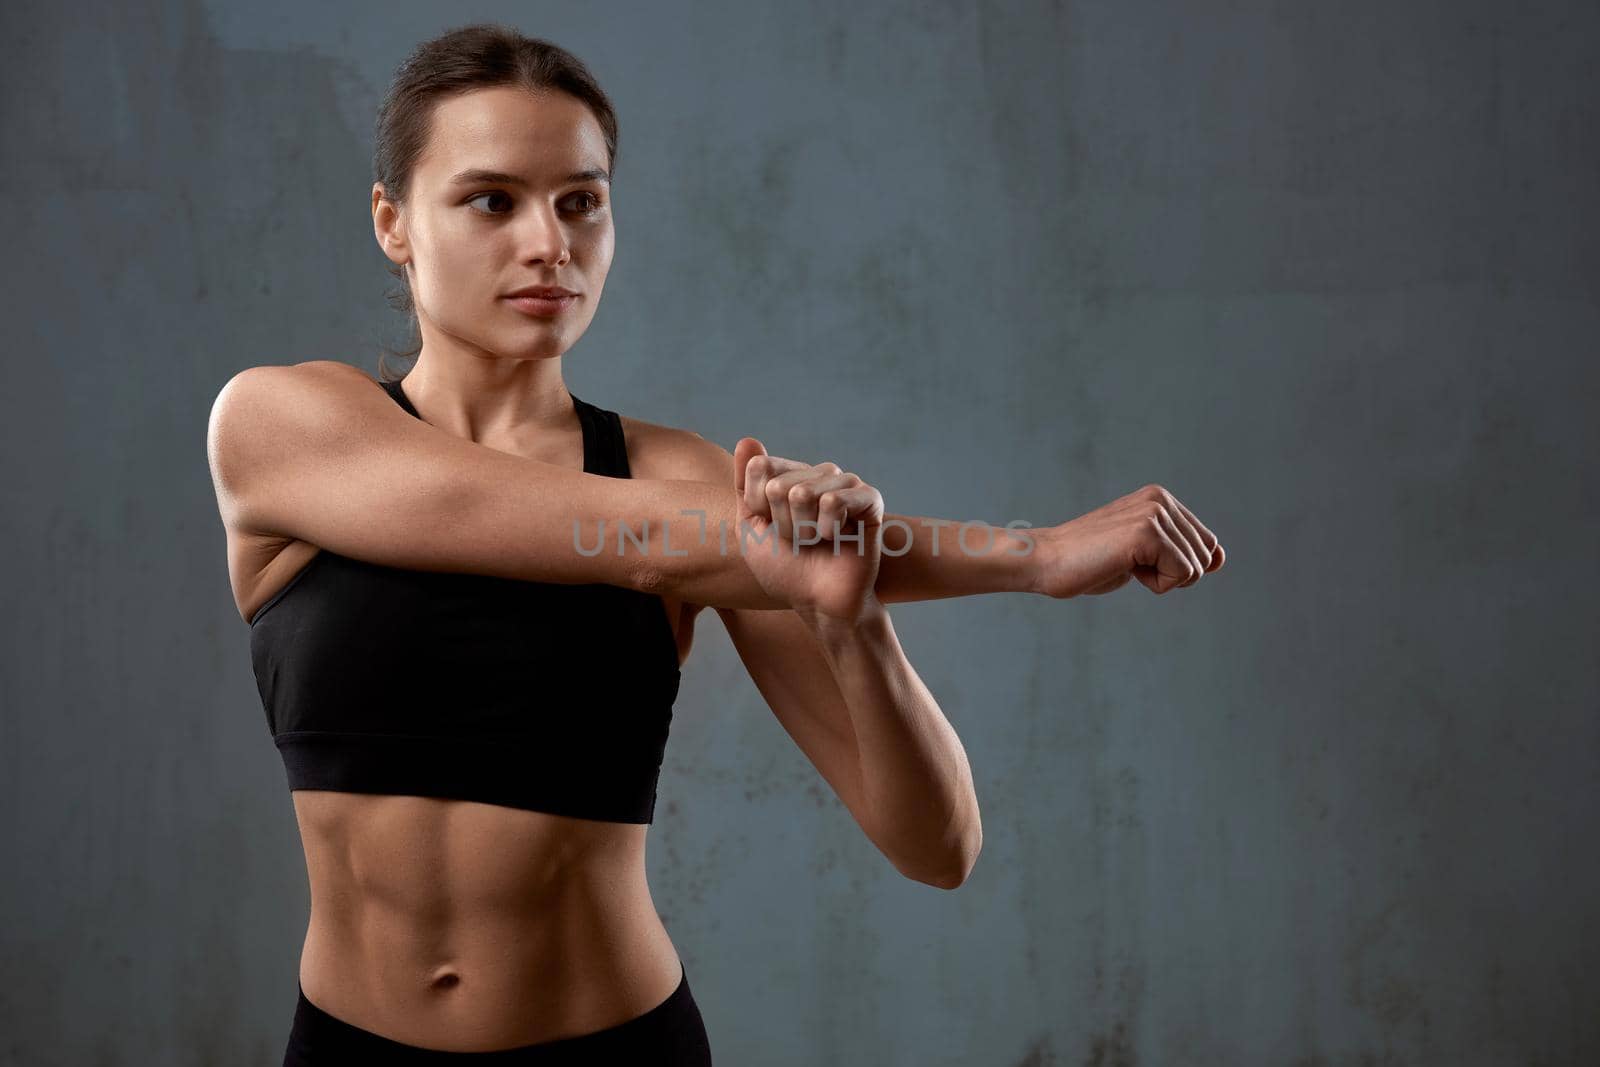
1147, 535
810, 533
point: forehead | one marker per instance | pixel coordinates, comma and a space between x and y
542, 135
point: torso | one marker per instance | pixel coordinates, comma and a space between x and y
464, 926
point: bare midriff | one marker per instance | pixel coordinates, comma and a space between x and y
469, 927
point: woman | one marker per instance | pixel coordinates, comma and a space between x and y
467, 655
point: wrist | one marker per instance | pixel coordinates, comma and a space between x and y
1030, 568
835, 633
984, 558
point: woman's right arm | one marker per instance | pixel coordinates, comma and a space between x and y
318, 452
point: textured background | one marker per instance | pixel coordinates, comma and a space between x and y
1326, 271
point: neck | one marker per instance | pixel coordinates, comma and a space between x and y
482, 399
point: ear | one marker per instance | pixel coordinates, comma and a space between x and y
389, 226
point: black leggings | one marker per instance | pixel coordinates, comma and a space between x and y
671, 1034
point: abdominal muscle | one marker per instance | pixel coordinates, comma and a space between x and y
468, 927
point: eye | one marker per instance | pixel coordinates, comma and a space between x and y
591, 203
480, 196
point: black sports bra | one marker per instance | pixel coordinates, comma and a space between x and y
545, 696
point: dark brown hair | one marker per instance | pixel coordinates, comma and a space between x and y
472, 57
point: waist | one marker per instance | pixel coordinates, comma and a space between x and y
452, 924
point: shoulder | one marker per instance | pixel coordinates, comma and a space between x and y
292, 384
310, 370
260, 407
660, 452
295, 397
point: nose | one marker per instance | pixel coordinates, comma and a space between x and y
544, 240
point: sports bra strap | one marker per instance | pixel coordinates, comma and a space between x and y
605, 450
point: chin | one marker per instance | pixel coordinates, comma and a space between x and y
546, 347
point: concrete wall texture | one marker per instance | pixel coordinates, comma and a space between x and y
1328, 272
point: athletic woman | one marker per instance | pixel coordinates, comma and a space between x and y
470, 593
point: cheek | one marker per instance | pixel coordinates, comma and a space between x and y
599, 249
462, 245
457, 261
451, 287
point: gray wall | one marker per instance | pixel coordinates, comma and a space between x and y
1329, 272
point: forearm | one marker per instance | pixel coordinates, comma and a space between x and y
934, 558
914, 771
694, 550
690, 542
924, 558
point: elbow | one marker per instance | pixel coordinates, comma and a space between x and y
648, 576
951, 877
963, 869
958, 865
950, 881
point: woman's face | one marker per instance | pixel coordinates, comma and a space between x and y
541, 215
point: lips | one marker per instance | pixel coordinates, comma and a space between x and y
542, 307
542, 292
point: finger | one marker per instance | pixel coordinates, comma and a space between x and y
743, 452
1207, 540
1191, 537
758, 470
1187, 541
842, 509
1186, 549
805, 503
781, 496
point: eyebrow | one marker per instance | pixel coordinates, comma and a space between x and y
475, 175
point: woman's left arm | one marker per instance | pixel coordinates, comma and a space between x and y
840, 683
852, 702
